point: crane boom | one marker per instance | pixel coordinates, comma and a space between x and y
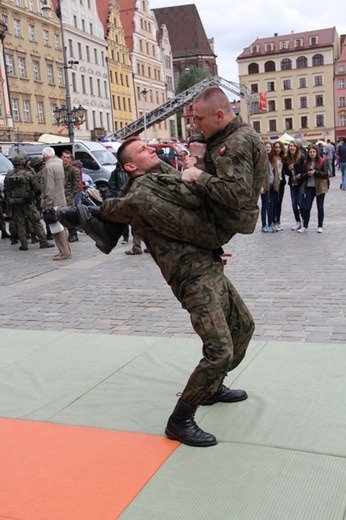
172, 106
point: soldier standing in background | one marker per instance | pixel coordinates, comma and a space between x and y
72, 186
20, 187
37, 164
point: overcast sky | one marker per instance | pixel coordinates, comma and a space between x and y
235, 25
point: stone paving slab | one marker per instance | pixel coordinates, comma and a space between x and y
294, 284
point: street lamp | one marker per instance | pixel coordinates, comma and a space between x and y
66, 115
144, 93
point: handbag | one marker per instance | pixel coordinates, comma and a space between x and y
50, 216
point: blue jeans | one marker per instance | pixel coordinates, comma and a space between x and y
264, 207
277, 216
273, 202
296, 198
343, 173
308, 198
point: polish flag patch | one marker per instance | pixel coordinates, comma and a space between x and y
222, 151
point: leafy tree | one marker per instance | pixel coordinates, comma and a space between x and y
189, 78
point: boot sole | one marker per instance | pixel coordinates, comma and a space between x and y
174, 437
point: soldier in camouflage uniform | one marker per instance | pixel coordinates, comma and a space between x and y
195, 273
72, 177
19, 186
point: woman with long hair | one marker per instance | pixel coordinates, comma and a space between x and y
315, 184
279, 159
269, 192
293, 168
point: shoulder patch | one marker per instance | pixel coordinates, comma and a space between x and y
222, 150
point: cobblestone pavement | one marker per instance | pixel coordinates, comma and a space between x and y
294, 284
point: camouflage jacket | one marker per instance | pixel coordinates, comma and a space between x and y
20, 186
234, 168
72, 176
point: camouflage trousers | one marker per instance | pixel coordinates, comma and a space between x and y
26, 217
220, 318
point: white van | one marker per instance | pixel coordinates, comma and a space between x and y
97, 161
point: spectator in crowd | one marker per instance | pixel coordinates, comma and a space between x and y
315, 184
279, 159
293, 168
72, 186
342, 162
329, 156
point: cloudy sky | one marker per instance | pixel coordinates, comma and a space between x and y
235, 25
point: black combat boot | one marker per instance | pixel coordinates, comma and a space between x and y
225, 395
68, 216
182, 427
105, 233
4, 234
34, 239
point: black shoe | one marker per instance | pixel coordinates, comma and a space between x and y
182, 427
133, 252
68, 216
23, 248
226, 395
34, 239
4, 234
73, 238
14, 241
46, 245
49, 236
105, 233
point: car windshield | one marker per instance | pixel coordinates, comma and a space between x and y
104, 157
5, 164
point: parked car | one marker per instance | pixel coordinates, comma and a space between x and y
171, 150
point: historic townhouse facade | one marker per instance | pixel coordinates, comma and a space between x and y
34, 67
296, 73
340, 91
89, 84
140, 28
119, 67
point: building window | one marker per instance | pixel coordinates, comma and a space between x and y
317, 60
302, 83
32, 36
83, 25
269, 47
304, 122
52, 113
74, 86
342, 121
253, 68
271, 105
298, 43
15, 109
70, 47
61, 77
91, 28
40, 114
320, 120
57, 42
254, 49
16, 25
318, 81
304, 102
98, 87
95, 56
21, 67
286, 64
319, 101
301, 62
269, 66
270, 86
287, 84
31, 6
45, 38
9, 64
313, 40
341, 83
26, 109
342, 101
288, 123
283, 44
91, 86
257, 126
254, 88
50, 73
36, 70
105, 89
272, 125
80, 55
83, 84
341, 68
87, 53
288, 104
